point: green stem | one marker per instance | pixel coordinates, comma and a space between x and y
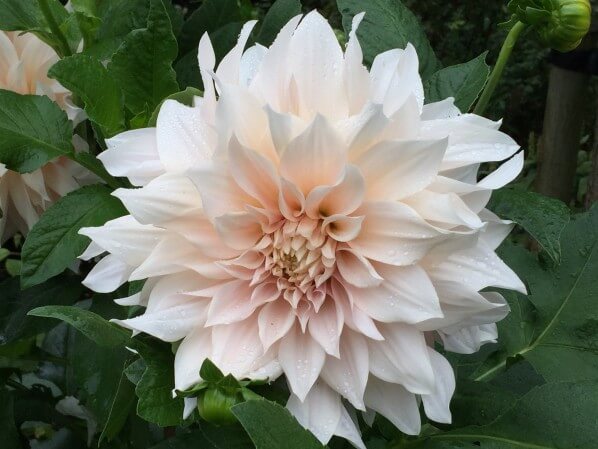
503, 58
47, 12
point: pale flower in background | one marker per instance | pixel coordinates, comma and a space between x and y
24, 64
309, 218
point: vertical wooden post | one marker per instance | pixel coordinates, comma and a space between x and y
563, 121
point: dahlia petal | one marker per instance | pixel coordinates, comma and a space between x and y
133, 154
302, 359
93, 250
395, 170
160, 324
164, 198
406, 295
231, 303
255, 174
274, 321
238, 230
229, 68
354, 317
395, 403
241, 114
109, 274
8, 56
395, 77
393, 233
349, 430
207, 61
219, 193
478, 267
356, 269
357, 78
406, 347
250, 64
443, 209
496, 230
190, 404
506, 173
344, 197
348, 374
437, 404
272, 79
326, 326
283, 128
182, 137
470, 339
319, 412
237, 348
443, 109
320, 88
314, 158
342, 228
364, 129
190, 355
291, 201
124, 237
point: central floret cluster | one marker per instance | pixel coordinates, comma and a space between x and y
311, 218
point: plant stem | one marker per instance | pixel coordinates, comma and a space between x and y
503, 58
47, 12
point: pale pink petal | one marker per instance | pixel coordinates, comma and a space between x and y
231, 303
109, 274
229, 67
314, 158
302, 359
395, 170
237, 349
357, 78
190, 355
319, 412
348, 374
356, 269
238, 230
274, 321
255, 174
437, 404
162, 199
394, 403
393, 233
326, 326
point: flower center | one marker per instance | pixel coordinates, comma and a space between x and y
300, 254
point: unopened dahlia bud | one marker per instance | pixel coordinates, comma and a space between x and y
214, 405
561, 24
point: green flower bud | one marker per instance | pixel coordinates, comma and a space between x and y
214, 405
560, 24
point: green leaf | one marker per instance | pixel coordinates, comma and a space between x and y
122, 404
542, 217
561, 322
209, 437
185, 97
388, 24
463, 82
90, 324
210, 16
210, 372
54, 242
87, 78
278, 15
25, 15
154, 389
117, 19
15, 305
142, 66
8, 429
553, 416
479, 403
33, 131
271, 426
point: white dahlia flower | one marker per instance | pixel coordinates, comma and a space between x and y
309, 218
24, 64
